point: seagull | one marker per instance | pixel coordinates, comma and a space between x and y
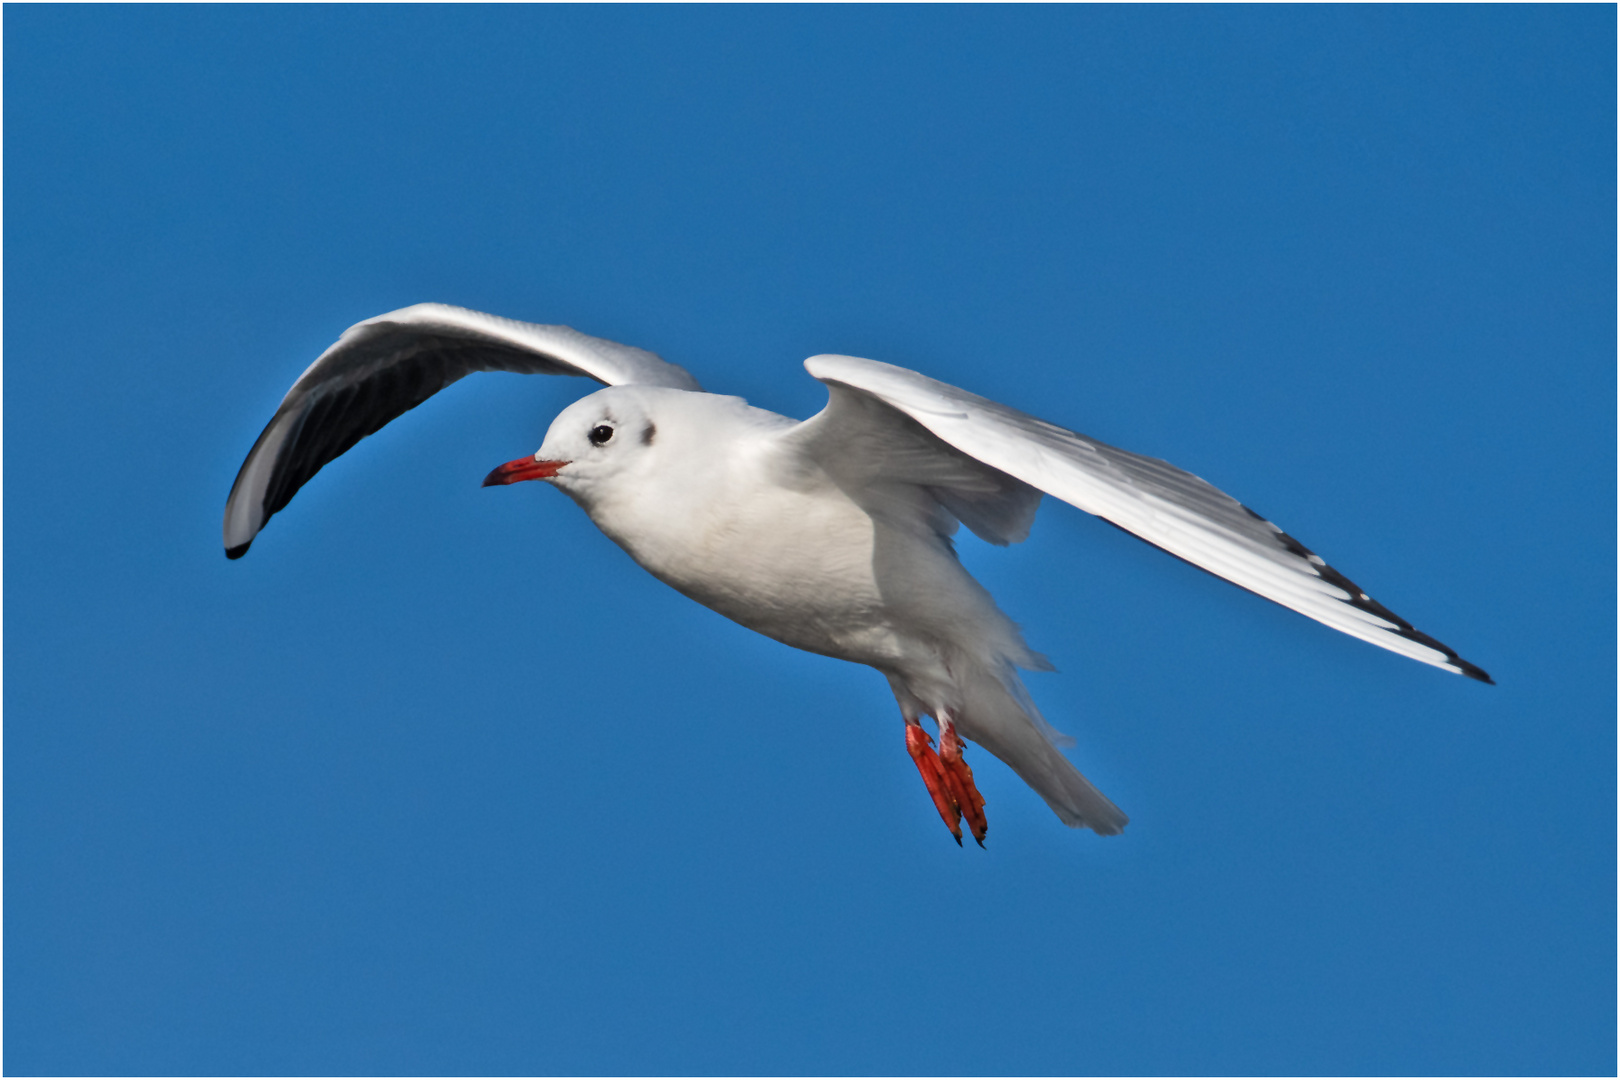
832, 534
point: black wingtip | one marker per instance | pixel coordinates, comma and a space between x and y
1471, 671
238, 551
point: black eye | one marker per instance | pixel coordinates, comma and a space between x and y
600, 434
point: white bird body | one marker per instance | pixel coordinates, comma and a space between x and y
734, 507
831, 535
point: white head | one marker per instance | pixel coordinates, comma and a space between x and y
645, 459
594, 441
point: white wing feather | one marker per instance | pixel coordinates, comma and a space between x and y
1152, 499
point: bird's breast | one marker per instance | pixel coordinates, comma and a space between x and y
794, 565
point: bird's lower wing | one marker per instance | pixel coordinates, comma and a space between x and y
388, 365
1149, 498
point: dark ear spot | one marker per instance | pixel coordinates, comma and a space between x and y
648, 432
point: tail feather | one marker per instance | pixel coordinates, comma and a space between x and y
994, 718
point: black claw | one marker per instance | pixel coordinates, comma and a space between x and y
978, 841
958, 840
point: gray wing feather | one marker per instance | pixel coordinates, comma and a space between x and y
390, 364
1152, 499
865, 440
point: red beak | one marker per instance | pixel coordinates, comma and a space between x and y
525, 468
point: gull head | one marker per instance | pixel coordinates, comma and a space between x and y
593, 442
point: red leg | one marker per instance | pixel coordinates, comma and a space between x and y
921, 748
959, 781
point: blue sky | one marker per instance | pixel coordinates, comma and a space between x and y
436, 780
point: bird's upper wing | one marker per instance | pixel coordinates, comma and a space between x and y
385, 366
1152, 499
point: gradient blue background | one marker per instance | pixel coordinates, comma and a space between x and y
435, 780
